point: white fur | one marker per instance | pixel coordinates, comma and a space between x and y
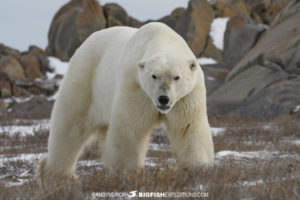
109, 91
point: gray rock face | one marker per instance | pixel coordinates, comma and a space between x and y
240, 36
36, 108
214, 76
234, 92
279, 99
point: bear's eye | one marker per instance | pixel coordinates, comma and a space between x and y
154, 77
176, 78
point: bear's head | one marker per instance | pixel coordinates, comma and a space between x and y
166, 79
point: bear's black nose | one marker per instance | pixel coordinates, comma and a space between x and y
163, 100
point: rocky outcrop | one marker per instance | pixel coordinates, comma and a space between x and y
22, 74
265, 81
279, 46
72, 24
12, 68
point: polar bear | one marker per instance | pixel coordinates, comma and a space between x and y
121, 83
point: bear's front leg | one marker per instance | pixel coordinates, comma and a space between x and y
190, 136
128, 134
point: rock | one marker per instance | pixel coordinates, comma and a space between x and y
211, 51
194, 25
117, 16
31, 66
236, 91
7, 51
5, 89
41, 56
279, 45
214, 76
20, 92
172, 19
12, 68
230, 8
3, 111
240, 36
72, 24
291, 9
266, 10
36, 108
281, 98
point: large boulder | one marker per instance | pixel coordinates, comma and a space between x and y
233, 93
36, 108
240, 36
172, 19
211, 51
117, 16
194, 25
41, 56
72, 24
230, 8
280, 46
214, 75
12, 68
31, 66
282, 98
264, 11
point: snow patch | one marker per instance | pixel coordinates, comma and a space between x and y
31, 158
24, 130
217, 131
217, 30
206, 61
297, 108
252, 183
58, 66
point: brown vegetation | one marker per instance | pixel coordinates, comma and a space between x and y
255, 177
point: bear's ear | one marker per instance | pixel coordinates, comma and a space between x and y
141, 64
193, 64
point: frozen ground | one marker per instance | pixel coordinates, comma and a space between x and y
23, 143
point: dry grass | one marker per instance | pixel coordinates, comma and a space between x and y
276, 177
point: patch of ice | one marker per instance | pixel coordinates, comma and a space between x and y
206, 61
58, 66
210, 78
252, 183
297, 108
217, 131
217, 30
22, 99
246, 154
